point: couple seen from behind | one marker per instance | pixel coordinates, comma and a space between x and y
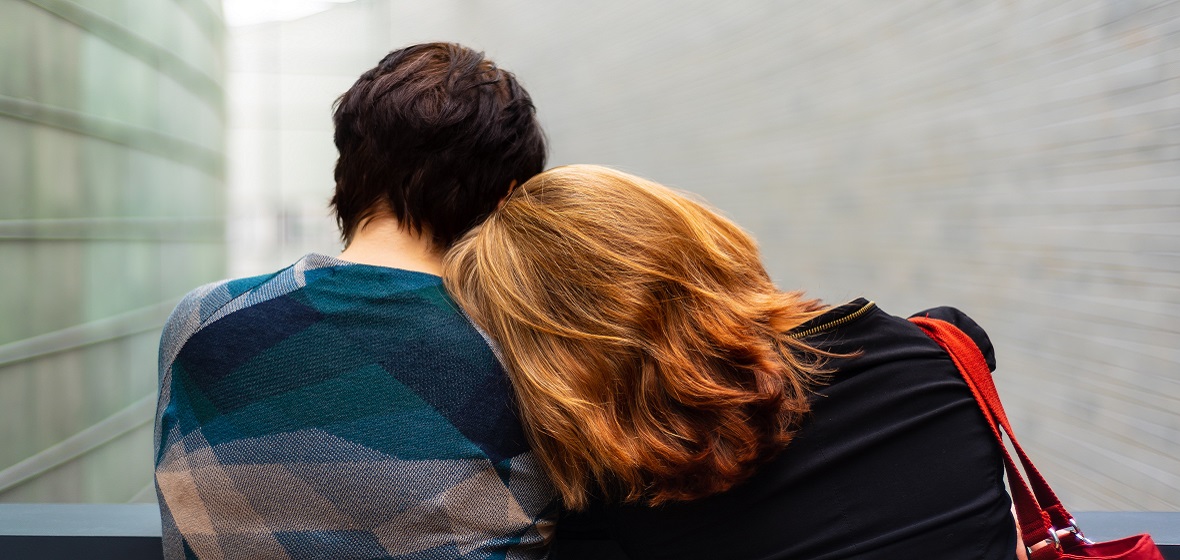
513, 363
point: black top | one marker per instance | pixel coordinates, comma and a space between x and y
895, 461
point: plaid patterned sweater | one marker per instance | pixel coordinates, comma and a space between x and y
337, 410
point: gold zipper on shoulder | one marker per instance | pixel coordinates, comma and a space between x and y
834, 323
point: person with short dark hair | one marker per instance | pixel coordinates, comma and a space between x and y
434, 136
343, 407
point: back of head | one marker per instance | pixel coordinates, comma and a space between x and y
435, 134
643, 336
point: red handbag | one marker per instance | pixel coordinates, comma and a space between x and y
1047, 529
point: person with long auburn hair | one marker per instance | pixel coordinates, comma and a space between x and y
685, 407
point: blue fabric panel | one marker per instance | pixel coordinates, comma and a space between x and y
218, 349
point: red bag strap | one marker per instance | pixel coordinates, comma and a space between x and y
1038, 509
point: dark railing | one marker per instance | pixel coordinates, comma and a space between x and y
132, 531
95, 531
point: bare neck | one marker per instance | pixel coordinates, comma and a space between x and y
382, 241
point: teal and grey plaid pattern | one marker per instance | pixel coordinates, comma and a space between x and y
336, 410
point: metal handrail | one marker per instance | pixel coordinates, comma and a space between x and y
132, 531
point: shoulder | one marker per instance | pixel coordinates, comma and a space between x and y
201, 305
859, 326
210, 302
966, 324
213, 301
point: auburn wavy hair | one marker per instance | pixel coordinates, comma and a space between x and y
643, 336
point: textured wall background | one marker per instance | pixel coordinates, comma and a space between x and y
1016, 159
111, 208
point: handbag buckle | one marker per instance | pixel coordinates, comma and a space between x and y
1055, 535
1077, 533
1052, 540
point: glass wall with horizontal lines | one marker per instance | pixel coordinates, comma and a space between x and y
112, 118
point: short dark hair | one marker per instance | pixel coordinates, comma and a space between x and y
435, 133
